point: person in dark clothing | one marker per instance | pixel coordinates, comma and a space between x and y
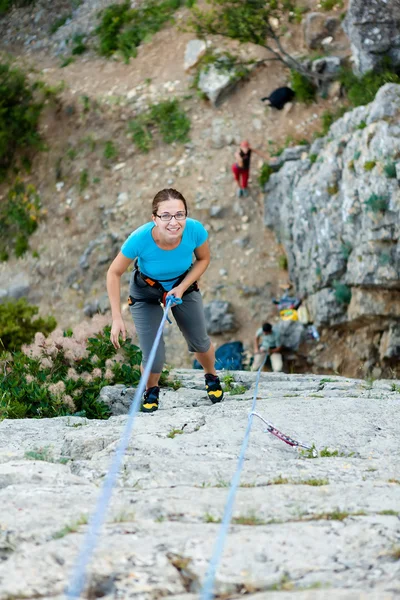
241, 168
279, 97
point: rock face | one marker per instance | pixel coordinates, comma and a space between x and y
337, 213
217, 84
373, 29
219, 317
327, 526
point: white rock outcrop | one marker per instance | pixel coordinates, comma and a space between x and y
328, 526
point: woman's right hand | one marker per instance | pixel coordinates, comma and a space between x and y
118, 327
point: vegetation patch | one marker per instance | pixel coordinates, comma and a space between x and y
45, 454
377, 203
231, 386
19, 116
71, 528
390, 170
335, 515
6, 5
122, 28
369, 165
168, 118
251, 519
19, 324
342, 292
20, 214
63, 375
174, 432
362, 90
264, 175
303, 88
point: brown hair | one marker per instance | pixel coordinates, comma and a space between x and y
164, 195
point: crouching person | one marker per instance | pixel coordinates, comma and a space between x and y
267, 341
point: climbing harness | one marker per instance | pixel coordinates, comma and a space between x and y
194, 287
78, 578
207, 591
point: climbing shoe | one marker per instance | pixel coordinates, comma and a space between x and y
150, 400
213, 387
239, 193
245, 192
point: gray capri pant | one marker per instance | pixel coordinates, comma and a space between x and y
189, 317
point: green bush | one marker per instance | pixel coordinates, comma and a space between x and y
5, 5
390, 170
362, 90
18, 324
304, 89
377, 203
79, 46
342, 292
19, 217
369, 165
167, 118
19, 115
63, 375
265, 173
328, 118
110, 150
122, 28
330, 4
59, 22
283, 262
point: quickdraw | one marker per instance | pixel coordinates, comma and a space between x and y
282, 436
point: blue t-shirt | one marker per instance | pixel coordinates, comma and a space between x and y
161, 264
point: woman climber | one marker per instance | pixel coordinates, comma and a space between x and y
164, 250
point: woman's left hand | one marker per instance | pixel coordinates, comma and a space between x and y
177, 292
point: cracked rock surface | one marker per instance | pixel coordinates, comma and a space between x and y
310, 529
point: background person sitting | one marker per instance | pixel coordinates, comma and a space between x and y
267, 341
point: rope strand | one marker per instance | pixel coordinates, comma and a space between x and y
78, 578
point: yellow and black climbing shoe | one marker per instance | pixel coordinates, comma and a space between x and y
213, 387
150, 400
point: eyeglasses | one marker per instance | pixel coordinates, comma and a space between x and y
179, 216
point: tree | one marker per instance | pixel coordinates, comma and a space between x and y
256, 22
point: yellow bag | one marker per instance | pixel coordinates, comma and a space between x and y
289, 314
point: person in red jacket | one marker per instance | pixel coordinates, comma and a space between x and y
241, 168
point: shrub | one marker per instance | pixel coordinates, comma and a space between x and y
18, 324
167, 118
369, 165
5, 5
362, 90
19, 115
265, 173
328, 118
282, 262
377, 203
61, 375
330, 4
19, 217
332, 189
342, 292
59, 22
79, 46
122, 28
110, 151
313, 158
346, 249
390, 170
303, 88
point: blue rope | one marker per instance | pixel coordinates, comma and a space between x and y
207, 591
78, 578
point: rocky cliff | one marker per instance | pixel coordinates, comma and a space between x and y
336, 211
311, 529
